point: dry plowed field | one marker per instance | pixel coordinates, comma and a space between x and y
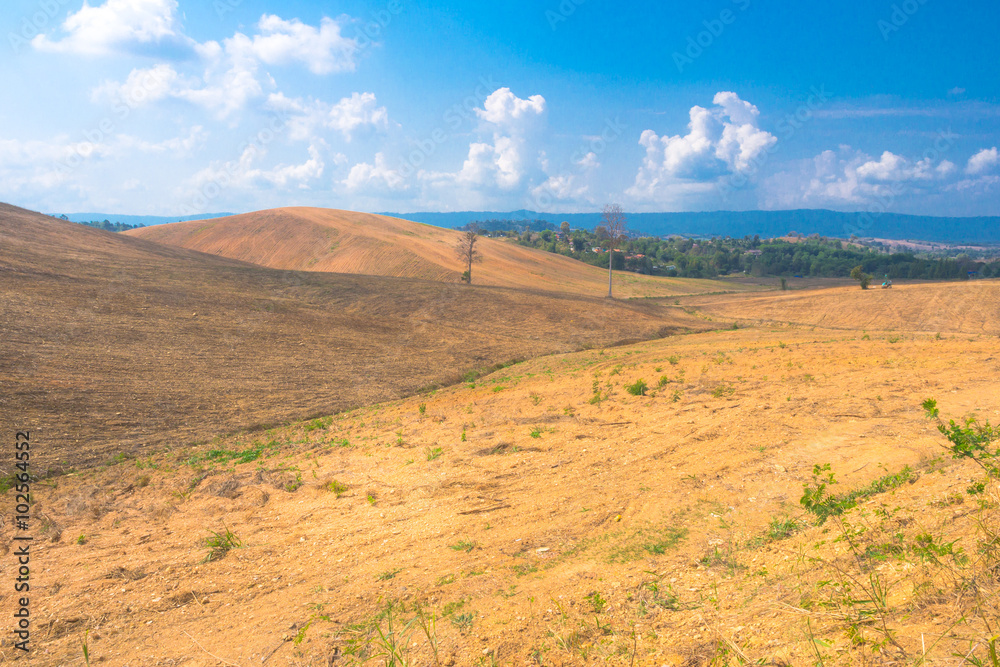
968, 307
114, 344
314, 239
636, 504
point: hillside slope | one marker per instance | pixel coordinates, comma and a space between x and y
314, 239
115, 344
541, 526
966, 307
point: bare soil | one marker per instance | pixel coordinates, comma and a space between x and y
114, 344
315, 239
541, 514
536, 524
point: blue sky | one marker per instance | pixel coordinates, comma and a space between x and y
175, 107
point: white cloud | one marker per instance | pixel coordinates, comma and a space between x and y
983, 161
503, 166
848, 177
589, 161
507, 111
182, 146
323, 50
115, 26
894, 168
229, 76
356, 111
377, 178
721, 141
346, 116
229, 81
143, 86
242, 175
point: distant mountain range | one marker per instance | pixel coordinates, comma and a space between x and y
146, 220
767, 224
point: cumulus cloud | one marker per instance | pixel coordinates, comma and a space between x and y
894, 168
720, 141
356, 111
230, 73
985, 160
323, 50
507, 111
848, 177
115, 26
347, 116
502, 164
378, 177
242, 175
229, 81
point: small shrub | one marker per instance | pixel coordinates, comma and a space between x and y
723, 390
422, 408
463, 621
637, 388
388, 574
434, 453
781, 528
536, 432
335, 487
597, 603
673, 359
464, 545
219, 544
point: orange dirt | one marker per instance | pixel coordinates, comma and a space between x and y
535, 524
541, 514
114, 344
315, 239
967, 307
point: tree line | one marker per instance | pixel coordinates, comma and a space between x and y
812, 256
107, 225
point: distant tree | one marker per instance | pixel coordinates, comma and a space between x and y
611, 232
858, 273
564, 227
466, 251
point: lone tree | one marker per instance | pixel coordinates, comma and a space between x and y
611, 231
858, 273
466, 251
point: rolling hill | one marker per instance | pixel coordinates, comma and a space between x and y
114, 344
956, 307
313, 239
